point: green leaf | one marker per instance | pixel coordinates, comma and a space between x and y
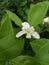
37, 13
10, 47
2, 63
4, 18
23, 2
37, 44
24, 60
6, 27
31, 6
41, 47
14, 17
38, 29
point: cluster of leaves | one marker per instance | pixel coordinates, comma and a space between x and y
17, 6
21, 51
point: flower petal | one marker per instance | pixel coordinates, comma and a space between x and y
36, 35
46, 19
25, 25
32, 28
20, 34
28, 36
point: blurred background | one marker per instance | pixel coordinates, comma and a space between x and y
20, 7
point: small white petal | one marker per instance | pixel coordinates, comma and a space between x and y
32, 28
28, 36
25, 25
36, 35
46, 19
20, 34
23, 28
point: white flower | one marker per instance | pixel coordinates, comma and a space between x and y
29, 31
46, 20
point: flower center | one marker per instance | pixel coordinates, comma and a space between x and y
28, 31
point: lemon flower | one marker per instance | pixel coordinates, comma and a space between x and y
29, 31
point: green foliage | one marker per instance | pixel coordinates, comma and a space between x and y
2, 63
10, 46
14, 17
6, 27
41, 47
24, 60
22, 3
37, 13
37, 44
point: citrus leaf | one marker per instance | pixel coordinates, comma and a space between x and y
24, 60
10, 47
6, 27
14, 18
41, 47
37, 13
